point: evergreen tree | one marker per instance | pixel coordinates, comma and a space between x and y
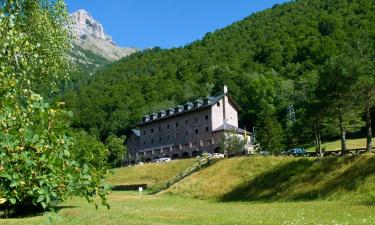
270, 132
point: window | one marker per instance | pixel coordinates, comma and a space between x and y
144, 142
167, 126
206, 117
159, 128
218, 104
152, 141
207, 129
177, 135
168, 137
196, 120
144, 132
152, 130
176, 124
160, 139
196, 131
187, 133
186, 122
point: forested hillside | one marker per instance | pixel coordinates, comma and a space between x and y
292, 54
86, 63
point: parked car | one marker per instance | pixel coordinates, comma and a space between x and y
166, 159
163, 160
204, 155
295, 152
217, 156
264, 153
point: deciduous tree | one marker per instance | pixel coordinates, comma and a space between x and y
36, 150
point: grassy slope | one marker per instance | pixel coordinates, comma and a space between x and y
336, 145
283, 179
151, 174
129, 208
269, 181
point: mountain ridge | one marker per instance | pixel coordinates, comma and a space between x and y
89, 34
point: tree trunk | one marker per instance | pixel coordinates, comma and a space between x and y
342, 129
368, 128
318, 140
320, 143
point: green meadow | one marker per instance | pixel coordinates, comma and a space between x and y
336, 145
244, 190
130, 208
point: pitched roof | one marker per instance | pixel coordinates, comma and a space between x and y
228, 127
136, 132
186, 108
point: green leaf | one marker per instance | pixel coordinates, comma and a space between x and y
87, 177
13, 200
36, 105
13, 184
66, 153
86, 183
29, 135
41, 191
40, 198
35, 138
6, 175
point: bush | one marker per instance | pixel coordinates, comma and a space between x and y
232, 143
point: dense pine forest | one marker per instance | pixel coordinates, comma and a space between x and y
316, 55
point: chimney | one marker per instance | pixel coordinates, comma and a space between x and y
225, 89
224, 111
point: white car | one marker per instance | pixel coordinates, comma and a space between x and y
166, 159
217, 156
204, 155
163, 160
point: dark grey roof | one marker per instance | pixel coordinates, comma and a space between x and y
137, 132
209, 102
228, 127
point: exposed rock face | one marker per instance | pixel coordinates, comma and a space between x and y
90, 36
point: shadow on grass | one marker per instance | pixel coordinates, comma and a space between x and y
58, 208
29, 212
305, 179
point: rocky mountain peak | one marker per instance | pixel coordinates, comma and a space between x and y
90, 36
85, 25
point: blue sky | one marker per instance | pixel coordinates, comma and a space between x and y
166, 23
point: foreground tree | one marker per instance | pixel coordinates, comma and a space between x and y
232, 143
37, 163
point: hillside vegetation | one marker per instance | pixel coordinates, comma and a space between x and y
283, 179
294, 53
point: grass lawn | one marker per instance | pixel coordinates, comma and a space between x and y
152, 174
283, 179
130, 208
336, 145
